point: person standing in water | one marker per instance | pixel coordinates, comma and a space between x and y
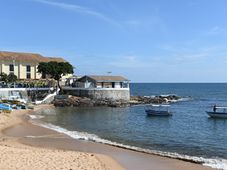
215, 108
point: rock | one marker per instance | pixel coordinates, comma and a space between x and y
135, 100
85, 102
153, 99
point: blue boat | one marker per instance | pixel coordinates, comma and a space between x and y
5, 107
158, 110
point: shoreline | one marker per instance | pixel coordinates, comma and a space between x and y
16, 155
129, 159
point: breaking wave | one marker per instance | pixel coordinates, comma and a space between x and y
36, 117
217, 163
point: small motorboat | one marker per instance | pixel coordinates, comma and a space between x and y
158, 110
218, 112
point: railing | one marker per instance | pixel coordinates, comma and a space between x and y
79, 88
25, 89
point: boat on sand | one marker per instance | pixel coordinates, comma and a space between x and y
5, 107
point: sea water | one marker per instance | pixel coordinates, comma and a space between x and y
189, 134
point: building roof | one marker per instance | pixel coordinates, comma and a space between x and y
99, 78
19, 56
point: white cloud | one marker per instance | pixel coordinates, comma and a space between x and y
216, 30
191, 54
128, 62
149, 23
133, 23
192, 57
79, 9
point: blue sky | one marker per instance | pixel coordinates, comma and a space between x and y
145, 41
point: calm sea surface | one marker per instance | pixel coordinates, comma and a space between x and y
188, 132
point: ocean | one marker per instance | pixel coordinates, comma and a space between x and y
189, 134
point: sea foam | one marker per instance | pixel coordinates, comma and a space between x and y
217, 163
36, 116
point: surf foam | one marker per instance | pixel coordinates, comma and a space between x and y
36, 116
217, 163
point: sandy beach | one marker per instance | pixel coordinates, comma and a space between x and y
15, 155
27, 146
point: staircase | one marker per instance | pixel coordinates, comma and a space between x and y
48, 99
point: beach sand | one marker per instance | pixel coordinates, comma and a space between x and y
15, 155
27, 146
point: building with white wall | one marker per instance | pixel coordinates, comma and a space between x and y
95, 81
100, 87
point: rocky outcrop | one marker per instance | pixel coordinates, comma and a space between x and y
154, 99
83, 101
115, 103
135, 100
72, 101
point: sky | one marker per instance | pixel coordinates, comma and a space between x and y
145, 41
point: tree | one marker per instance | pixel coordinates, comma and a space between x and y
43, 69
12, 78
3, 77
55, 70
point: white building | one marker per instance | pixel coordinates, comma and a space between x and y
101, 87
94, 81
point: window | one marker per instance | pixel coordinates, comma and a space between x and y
121, 84
11, 68
28, 75
28, 68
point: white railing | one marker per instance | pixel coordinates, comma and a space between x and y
13, 89
25, 89
79, 88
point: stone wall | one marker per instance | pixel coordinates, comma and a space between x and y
94, 93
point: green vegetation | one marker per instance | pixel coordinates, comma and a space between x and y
3, 77
55, 70
11, 78
43, 69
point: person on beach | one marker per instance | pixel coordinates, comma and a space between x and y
215, 108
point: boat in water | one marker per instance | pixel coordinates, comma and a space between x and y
158, 110
218, 112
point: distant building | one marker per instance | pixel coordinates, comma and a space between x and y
102, 82
70, 80
101, 87
23, 65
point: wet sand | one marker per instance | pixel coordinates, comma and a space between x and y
33, 135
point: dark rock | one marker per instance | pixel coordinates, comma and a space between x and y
85, 102
153, 99
135, 100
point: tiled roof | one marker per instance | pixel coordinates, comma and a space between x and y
18, 56
108, 78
